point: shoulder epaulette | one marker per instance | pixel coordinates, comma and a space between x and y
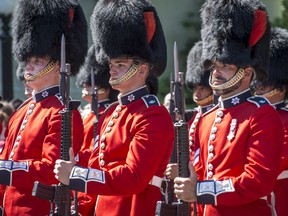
258, 100
58, 95
151, 100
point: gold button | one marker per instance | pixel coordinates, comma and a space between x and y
103, 137
212, 137
211, 156
102, 146
111, 123
211, 148
118, 108
210, 174
115, 115
220, 113
101, 162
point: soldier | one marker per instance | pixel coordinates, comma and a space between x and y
239, 154
106, 95
275, 90
197, 80
34, 131
136, 134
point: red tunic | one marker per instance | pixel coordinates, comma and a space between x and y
135, 144
240, 156
281, 187
86, 202
88, 136
33, 137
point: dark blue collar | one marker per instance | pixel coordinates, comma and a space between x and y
279, 105
132, 96
104, 103
45, 93
235, 99
204, 109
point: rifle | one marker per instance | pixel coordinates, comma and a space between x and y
60, 195
179, 208
94, 103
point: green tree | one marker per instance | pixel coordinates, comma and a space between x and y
283, 21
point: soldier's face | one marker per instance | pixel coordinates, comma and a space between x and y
262, 89
34, 65
221, 73
118, 67
201, 92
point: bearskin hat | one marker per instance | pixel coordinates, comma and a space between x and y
152, 84
101, 71
278, 70
129, 28
236, 32
196, 74
37, 27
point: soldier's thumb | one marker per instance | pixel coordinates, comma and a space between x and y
193, 174
71, 155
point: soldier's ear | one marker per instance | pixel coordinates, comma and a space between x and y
248, 72
143, 69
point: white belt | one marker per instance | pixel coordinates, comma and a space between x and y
283, 175
156, 181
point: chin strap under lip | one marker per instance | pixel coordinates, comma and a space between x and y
205, 100
130, 73
270, 93
234, 80
47, 69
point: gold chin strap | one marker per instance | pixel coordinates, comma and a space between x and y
235, 79
47, 69
270, 93
205, 101
89, 93
130, 73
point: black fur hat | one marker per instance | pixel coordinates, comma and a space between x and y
129, 28
37, 27
236, 32
278, 70
101, 71
196, 74
152, 84
101, 74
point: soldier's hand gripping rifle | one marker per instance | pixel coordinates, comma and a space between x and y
179, 208
60, 195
